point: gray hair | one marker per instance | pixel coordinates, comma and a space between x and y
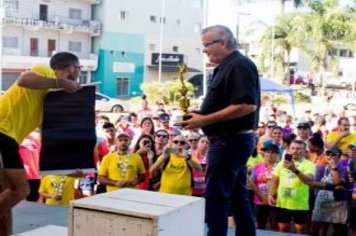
222, 33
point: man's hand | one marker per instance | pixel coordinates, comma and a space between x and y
271, 200
57, 197
69, 86
289, 165
196, 121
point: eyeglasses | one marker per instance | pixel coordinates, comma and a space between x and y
161, 136
178, 142
193, 140
212, 42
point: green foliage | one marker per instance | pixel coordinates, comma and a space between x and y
167, 91
301, 97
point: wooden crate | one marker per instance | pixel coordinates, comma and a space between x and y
130, 212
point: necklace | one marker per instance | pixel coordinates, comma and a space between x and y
58, 187
123, 165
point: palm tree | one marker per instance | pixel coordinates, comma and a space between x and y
323, 27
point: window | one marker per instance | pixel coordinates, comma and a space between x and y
162, 20
75, 46
124, 15
178, 22
122, 86
10, 42
343, 53
197, 3
75, 13
197, 27
51, 47
152, 47
11, 5
83, 77
153, 19
175, 48
34, 47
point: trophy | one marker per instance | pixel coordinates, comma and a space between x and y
184, 101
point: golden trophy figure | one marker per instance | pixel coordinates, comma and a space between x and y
184, 101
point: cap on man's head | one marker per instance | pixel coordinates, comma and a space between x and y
261, 124
303, 125
61, 59
351, 146
123, 135
164, 117
270, 147
333, 151
271, 123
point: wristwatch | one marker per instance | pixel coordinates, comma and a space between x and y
188, 158
297, 172
335, 169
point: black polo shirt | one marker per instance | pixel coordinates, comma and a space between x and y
235, 81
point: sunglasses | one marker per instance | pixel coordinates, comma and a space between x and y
193, 140
331, 154
161, 136
178, 142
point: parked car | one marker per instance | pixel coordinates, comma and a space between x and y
298, 79
107, 104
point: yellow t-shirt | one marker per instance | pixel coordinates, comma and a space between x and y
21, 109
60, 184
176, 177
344, 142
110, 167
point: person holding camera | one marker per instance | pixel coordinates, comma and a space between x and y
289, 190
331, 206
176, 166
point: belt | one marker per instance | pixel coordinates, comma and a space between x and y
249, 131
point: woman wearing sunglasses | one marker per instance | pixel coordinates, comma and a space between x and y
176, 166
331, 206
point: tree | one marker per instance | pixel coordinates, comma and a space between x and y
324, 26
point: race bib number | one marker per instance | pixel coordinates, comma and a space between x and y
199, 182
325, 196
288, 193
263, 188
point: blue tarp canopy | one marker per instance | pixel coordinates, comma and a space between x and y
268, 85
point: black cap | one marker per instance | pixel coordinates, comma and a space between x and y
164, 117
334, 151
270, 147
351, 146
303, 125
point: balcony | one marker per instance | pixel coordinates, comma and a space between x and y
91, 27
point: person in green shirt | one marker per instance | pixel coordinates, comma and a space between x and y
289, 190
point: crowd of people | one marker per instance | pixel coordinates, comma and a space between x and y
298, 175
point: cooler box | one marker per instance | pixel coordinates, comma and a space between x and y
131, 212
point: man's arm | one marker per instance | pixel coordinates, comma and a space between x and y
110, 182
228, 113
272, 193
335, 142
32, 80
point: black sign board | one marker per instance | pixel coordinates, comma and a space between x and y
167, 59
68, 130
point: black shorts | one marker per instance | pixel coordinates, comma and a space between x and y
9, 153
297, 216
265, 212
353, 219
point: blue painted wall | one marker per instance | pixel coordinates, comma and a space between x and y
112, 46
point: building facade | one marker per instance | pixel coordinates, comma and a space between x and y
133, 33
33, 30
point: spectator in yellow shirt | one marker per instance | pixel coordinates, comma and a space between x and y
341, 138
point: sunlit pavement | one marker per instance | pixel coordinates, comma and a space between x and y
29, 216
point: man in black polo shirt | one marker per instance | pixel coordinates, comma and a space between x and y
228, 116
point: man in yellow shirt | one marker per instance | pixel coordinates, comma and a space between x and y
21, 109
121, 169
341, 138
